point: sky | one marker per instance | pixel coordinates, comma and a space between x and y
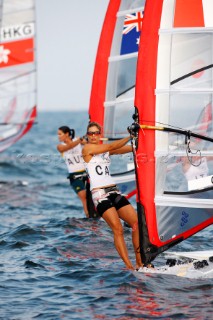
67, 39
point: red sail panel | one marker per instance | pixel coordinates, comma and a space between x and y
188, 14
21, 129
145, 102
97, 97
30, 116
16, 52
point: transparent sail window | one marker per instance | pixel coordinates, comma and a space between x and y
191, 61
122, 75
185, 163
119, 116
192, 112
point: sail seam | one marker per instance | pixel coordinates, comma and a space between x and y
125, 12
185, 30
180, 202
184, 91
114, 102
122, 57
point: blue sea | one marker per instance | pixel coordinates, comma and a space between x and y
56, 264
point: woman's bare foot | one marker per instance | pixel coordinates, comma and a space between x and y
149, 265
130, 267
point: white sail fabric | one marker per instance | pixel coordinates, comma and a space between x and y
17, 70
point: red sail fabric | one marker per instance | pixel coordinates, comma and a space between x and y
145, 102
16, 52
96, 108
188, 14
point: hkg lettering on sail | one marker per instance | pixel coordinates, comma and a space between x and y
16, 32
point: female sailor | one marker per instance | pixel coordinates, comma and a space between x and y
110, 204
71, 150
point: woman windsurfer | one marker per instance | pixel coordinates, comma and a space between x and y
109, 202
71, 151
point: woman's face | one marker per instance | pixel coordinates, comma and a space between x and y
93, 135
62, 136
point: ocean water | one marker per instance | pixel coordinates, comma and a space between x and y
56, 264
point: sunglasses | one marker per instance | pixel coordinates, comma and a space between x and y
93, 133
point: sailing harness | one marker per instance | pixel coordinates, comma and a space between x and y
78, 175
101, 194
107, 198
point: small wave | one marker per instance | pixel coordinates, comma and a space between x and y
18, 244
5, 165
31, 264
4, 183
26, 231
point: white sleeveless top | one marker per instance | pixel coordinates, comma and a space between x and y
73, 159
98, 171
197, 172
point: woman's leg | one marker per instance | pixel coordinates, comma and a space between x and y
82, 196
129, 215
112, 219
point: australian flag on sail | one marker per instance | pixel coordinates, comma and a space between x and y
131, 32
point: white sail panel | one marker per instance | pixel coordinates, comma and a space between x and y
17, 70
208, 8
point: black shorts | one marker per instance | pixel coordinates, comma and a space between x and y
115, 200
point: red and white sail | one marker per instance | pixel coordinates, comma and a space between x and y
113, 87
174, 90
17, 70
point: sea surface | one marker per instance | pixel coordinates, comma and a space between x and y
56, 264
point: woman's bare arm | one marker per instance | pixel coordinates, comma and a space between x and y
69, 145
90, 149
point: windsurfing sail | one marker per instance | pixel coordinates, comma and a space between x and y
173, 123
17, 70
113, 87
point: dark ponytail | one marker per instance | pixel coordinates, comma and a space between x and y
72, 132
66, 129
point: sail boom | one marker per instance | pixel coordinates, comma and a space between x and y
124, 179
179, 153
184, 132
